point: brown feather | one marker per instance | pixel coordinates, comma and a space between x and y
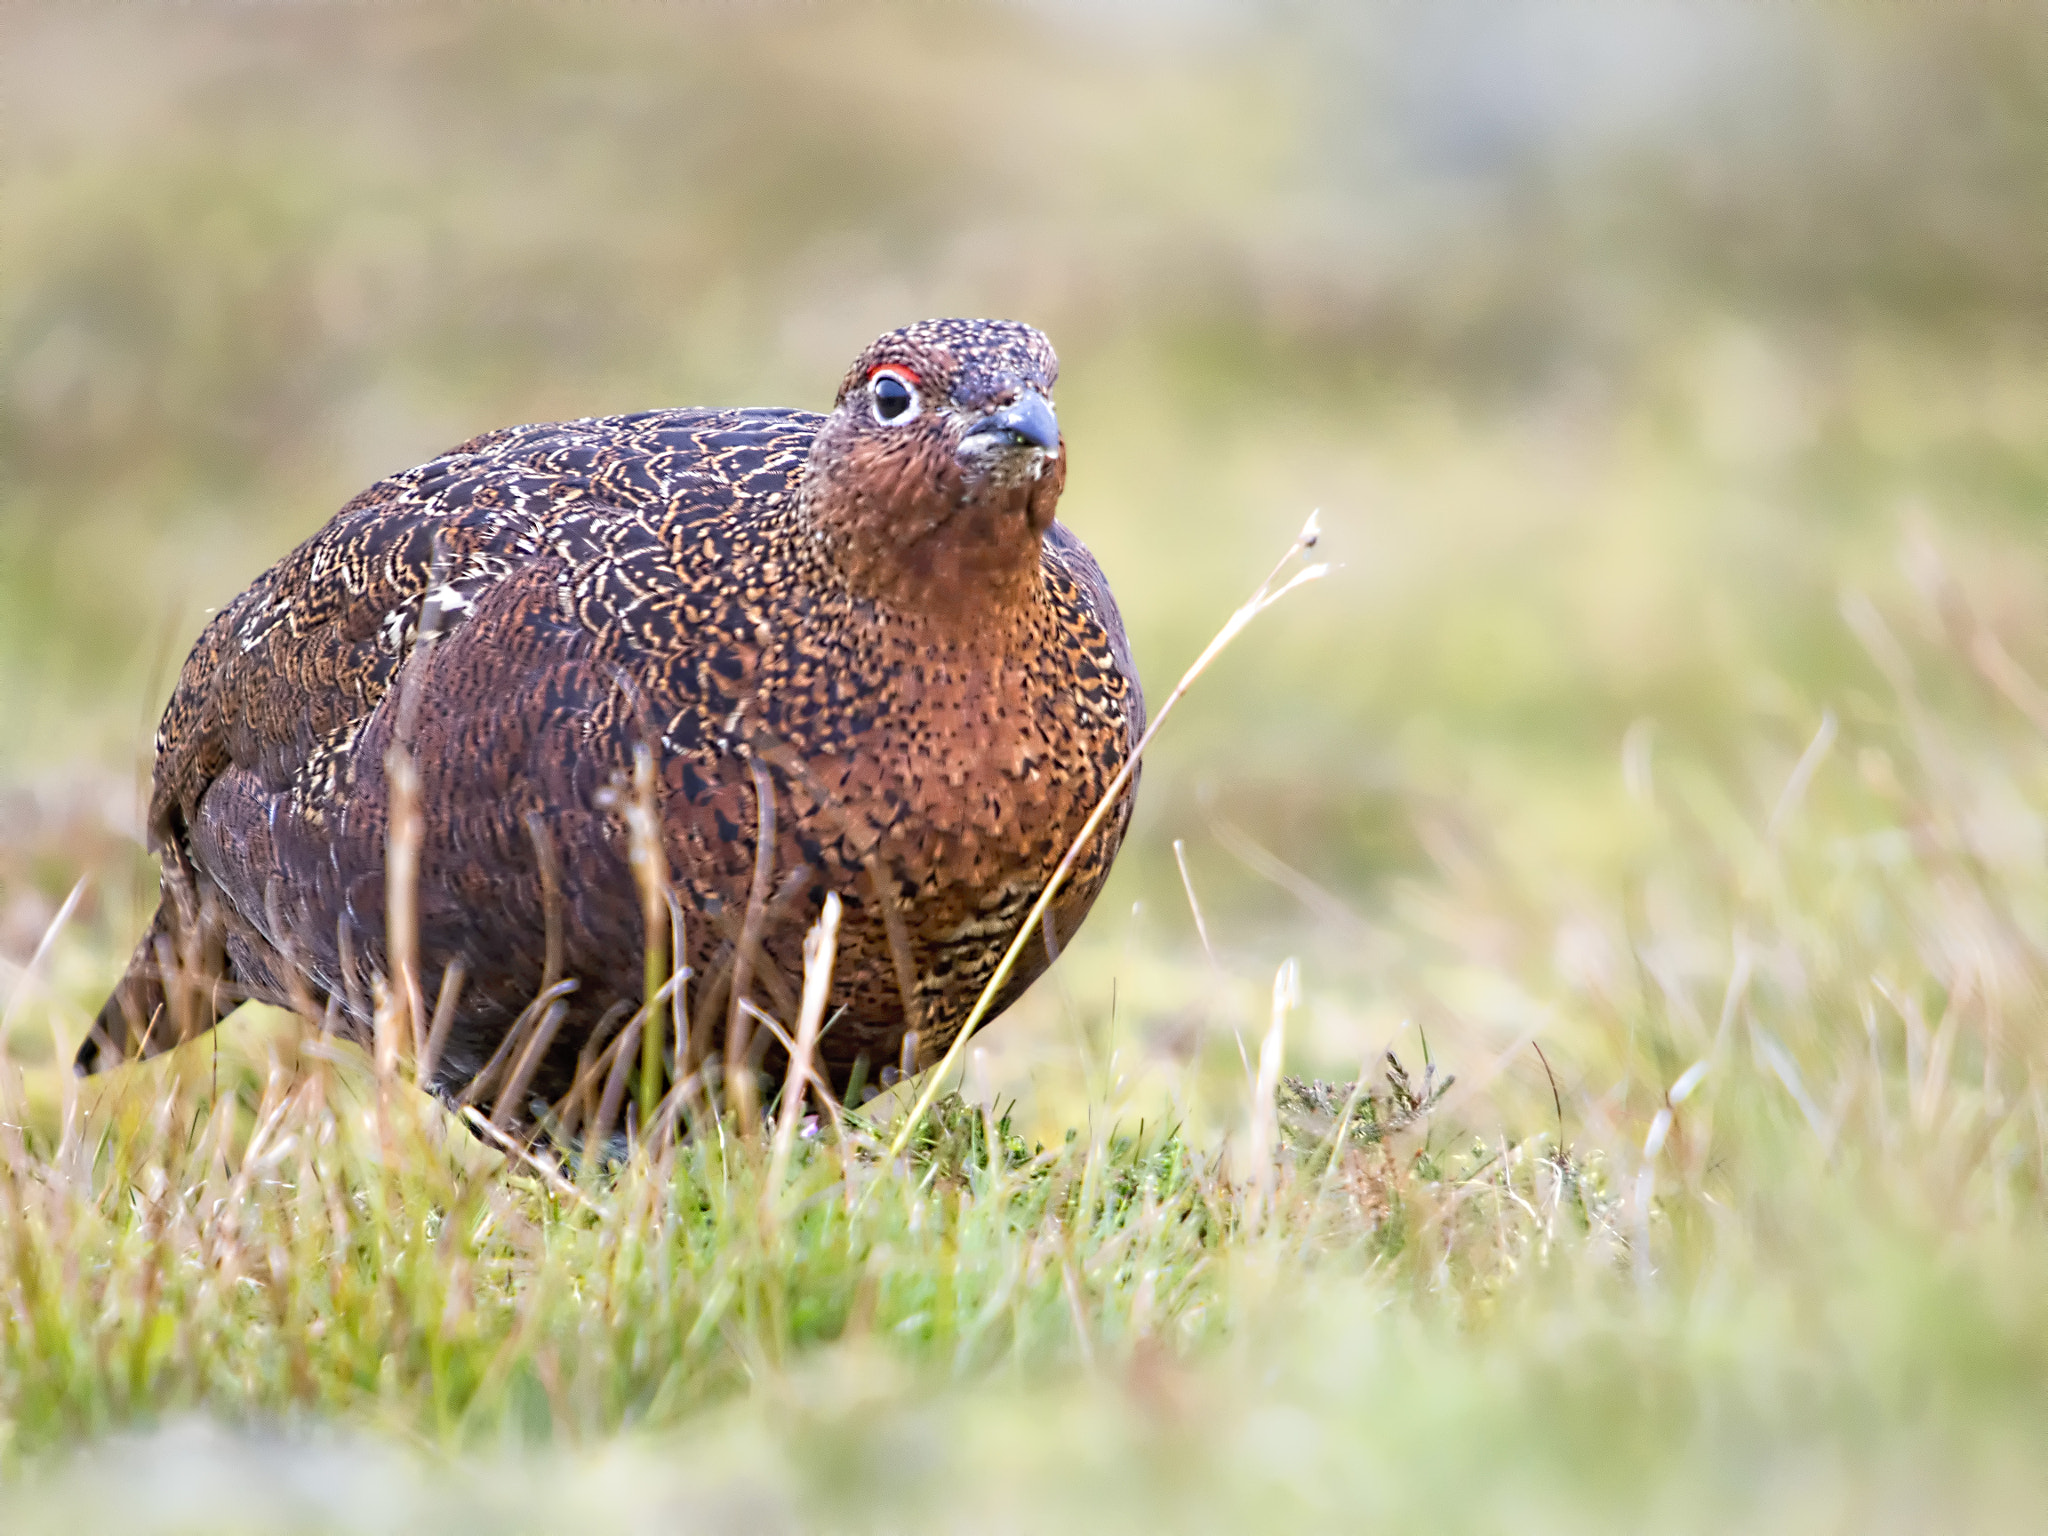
926, 669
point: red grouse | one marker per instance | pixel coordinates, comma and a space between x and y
863, 634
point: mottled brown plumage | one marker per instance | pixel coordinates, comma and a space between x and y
873, 614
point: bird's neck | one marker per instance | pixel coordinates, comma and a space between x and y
965, 568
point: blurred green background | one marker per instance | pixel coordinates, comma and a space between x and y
1612, 340
1673, 383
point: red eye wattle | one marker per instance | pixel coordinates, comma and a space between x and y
909, 373
892, 395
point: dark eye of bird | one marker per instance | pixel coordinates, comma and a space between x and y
894, 400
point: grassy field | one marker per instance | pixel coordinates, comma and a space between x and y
1660, 777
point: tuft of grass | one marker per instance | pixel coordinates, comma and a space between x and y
296, 1237
1754, 1240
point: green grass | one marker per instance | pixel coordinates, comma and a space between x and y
1809, 1297
1665, 769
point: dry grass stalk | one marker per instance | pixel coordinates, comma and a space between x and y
821, 946
452, 979
614, 1096
399, 1026
650, 873
401, 1022
511, 1049
1262, 1139
739, 1081
525, 1156
1270, 591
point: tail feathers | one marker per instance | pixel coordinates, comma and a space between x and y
169, 994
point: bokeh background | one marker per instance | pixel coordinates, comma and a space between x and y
1613, 341
1672, 380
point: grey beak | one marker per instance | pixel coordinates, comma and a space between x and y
1028, 420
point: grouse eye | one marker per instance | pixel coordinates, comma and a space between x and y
895, 401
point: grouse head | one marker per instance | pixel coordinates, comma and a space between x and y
934, 478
